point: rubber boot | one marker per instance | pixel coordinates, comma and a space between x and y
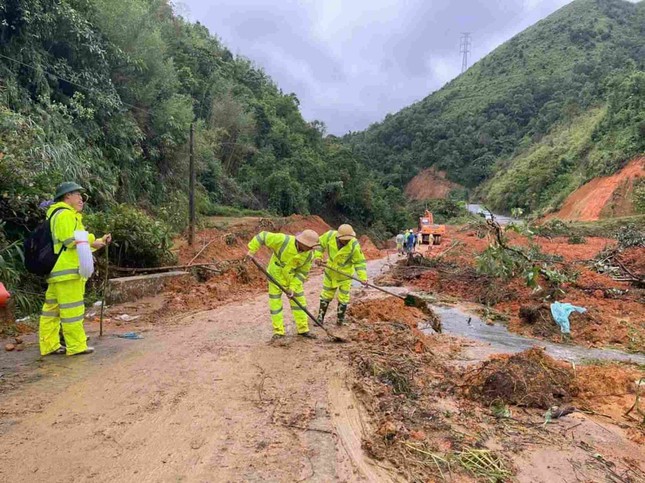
342, 308
324, 305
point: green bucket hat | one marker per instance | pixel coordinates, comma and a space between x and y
67, 187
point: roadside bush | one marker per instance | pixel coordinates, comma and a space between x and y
138, 239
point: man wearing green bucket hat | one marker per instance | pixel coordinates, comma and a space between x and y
64, 301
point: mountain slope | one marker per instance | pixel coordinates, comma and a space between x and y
549, 75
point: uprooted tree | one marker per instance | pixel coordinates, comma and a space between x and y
503, 260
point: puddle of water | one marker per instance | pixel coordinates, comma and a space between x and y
500, 340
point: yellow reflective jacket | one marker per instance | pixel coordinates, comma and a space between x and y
290, 267
348, 259
63, 224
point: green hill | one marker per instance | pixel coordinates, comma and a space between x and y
579, 72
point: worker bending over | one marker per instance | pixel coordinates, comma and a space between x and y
291, 260
345, 256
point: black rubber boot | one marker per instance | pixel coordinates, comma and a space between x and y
342, 308
324, 305
308, 335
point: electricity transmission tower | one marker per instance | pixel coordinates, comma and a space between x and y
464, 49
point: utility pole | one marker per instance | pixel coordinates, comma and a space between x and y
464, 49
191, 188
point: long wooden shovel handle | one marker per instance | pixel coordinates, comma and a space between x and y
276, 283
366, 283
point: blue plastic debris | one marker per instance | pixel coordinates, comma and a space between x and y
130, 335
561, 313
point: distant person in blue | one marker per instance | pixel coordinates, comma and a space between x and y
411, 242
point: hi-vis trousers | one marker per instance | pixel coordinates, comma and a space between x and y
64, 306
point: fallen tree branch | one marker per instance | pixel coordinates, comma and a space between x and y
201, 251
162, 269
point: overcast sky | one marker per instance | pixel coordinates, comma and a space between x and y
350, 62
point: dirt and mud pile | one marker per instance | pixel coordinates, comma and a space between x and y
388, 309
404, 379
530, 379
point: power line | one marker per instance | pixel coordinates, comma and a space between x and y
75, 84
464, 49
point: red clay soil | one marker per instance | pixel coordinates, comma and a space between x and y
634, 260
388, 309
604, 197
369, 249
430, 184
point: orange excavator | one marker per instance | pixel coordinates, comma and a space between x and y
430, 233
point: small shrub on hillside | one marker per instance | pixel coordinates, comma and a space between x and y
138, 239
639, 195
576, 240
631, 236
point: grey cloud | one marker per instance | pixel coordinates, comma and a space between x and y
351, 63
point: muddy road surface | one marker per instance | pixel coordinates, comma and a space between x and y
203, 398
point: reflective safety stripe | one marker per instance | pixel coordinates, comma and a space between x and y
299, 294
259, 239
343, 291
69, 320
325, 287
327, 276
50, 313
330, 233
263, 238
68, 242
287, 238
276, 312
275, 295
71, 305
60, 273
301, 277
51, 301
295, 307
348, 261
361, 265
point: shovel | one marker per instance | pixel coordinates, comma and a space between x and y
333, 337
409, 300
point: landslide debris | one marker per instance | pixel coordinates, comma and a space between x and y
530, 379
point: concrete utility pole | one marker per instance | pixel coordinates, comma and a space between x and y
464, 49
191, 188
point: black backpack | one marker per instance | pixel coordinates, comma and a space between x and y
40, 257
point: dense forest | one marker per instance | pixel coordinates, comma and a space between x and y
557, 104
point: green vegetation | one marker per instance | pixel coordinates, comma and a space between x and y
559, 103
627, 227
